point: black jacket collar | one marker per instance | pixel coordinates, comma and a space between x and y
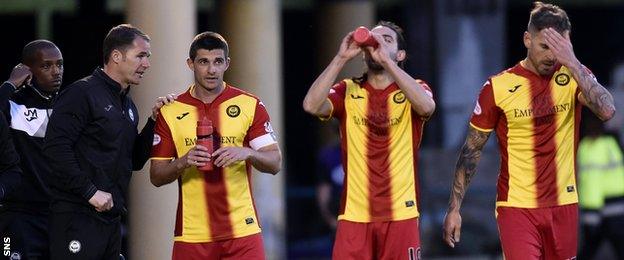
114, 85
36, 91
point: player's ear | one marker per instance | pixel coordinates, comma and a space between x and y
190, 64
227, 63
401, 55
527, 39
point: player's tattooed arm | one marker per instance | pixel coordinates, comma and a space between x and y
466, 166
596, 97
464, 171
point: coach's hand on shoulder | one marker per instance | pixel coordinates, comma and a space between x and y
102, 201
452, 227
160, 102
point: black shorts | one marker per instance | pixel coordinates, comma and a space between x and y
80, 235
24, 235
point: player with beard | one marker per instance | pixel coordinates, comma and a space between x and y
381, 118
535, 109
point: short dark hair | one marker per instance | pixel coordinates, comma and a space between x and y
548, 16
401, 45
121, 38
29, 53
208, 41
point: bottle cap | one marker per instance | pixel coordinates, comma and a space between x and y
363, 37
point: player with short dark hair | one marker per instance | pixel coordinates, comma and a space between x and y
216, 217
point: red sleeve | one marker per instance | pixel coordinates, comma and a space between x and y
163, 145
336, 97
425, 85
485, 114
261, 132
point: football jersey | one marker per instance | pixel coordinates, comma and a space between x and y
536, 120
218, 204
381, 135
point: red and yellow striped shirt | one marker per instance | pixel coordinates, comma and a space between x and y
216, 205
537, 124
381, 136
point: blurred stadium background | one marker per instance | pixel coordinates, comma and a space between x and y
278, 48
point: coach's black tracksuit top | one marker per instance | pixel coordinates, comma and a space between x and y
92, 144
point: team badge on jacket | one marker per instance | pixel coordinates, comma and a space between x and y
74, 246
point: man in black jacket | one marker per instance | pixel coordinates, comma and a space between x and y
9, 161
93, 147
26, 100
10, 178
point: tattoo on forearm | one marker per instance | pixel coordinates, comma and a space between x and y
466, 166
599, 100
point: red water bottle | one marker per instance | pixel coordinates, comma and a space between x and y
204, 138
363, 37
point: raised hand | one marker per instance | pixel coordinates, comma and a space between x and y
21, 75
348, 47
561, 47
595, 96
380, 54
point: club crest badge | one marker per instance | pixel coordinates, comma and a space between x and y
233, 111
562, 79
74, 246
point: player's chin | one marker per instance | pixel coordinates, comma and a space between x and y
547, 70
210, 85
374, 66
